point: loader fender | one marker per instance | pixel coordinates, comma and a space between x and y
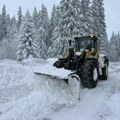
103, 61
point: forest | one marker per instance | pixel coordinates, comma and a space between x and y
38, 35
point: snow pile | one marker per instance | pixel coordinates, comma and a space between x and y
26, 96
50, 70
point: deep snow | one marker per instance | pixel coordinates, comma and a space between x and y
27, 96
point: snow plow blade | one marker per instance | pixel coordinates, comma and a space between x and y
75, 85
72, 80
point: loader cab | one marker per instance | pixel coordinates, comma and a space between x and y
86, 43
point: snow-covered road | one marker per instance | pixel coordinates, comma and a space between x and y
26, 96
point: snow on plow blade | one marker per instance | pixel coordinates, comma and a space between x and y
51, 76
72, 80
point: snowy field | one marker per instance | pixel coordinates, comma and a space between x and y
27, 96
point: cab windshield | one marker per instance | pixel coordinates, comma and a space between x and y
85, 43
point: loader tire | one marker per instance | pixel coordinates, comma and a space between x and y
104, 75
89, 74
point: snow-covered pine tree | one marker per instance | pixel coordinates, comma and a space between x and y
67, 18
44, 25
67, 24
1, 36
103, 33
86, 17
118, 39
8, 25
98, 24
40, 48
96, 18
3, 25
52, 23
38, 23
56, 49
12, 32
76, 15
113, 48
70, 12
8, 43
24, 47
118, 46
29, 43
13, 22
8, 21
19, 18
35, 17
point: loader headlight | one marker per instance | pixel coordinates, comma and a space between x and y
92, 36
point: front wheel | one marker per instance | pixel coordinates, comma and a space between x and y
89, 73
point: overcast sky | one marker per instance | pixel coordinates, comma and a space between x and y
112, 10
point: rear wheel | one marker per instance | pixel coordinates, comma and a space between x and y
104, 75
89, 73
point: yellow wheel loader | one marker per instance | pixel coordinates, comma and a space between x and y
86, 63
85, 60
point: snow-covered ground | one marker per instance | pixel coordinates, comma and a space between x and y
27, 96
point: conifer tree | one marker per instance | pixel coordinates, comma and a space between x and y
76, 15
19, 18
29, 44
70, 20
66, 17
8, 20
3, 23
99, 26
35, 17
86, 17
12, 32
44, 25
96, 18
52, 23
114, 47
1, 35
56, 49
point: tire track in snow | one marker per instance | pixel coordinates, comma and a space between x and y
111, 110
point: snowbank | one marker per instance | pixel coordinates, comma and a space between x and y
26, 96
